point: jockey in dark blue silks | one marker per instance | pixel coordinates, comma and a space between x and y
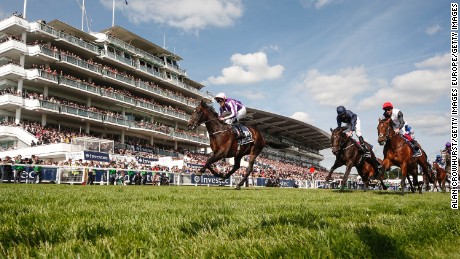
351, 120
236, 108
353, 123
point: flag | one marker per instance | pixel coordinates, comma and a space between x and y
126, 1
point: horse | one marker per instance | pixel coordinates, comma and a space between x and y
397, 152
224, 143
441, 177
347, 153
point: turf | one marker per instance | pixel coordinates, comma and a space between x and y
218, 222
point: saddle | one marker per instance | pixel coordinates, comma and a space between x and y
244, 136
417, 152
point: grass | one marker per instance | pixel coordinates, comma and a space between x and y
201, 222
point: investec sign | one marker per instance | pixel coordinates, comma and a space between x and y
209, 179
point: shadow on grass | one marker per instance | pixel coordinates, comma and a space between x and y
342, 191
380, 245
393, 193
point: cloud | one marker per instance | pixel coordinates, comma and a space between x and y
335, 89
252, 95
302, 116
421, 86
318, 4
432, 30
188, 15
249, 68
430, 124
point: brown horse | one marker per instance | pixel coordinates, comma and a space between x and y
441, 177
347, 153
224, 143
397, 152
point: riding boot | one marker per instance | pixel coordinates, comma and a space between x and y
363, 146
417, 151
239, 130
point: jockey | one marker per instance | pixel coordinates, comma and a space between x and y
439, 161
236, 108
399, 125
351, 120
445, 152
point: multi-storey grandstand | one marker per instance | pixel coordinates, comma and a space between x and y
67, 96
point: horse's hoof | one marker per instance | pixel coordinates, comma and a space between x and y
237, 187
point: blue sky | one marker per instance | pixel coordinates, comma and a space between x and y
297, 58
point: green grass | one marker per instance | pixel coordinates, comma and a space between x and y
202, 222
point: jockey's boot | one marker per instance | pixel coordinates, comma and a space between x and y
363, 147
239, 131
417, 151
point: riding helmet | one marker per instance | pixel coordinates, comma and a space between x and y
341, 110
448, 144
220, 96
387, 105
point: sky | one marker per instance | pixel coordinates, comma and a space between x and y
297, 58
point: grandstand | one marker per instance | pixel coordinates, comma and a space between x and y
63, 90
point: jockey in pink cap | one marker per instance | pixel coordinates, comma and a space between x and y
235, 107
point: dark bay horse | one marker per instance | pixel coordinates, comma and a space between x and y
397, 152
441, 177
347, 153
224, 144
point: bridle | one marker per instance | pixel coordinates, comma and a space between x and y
195, 123
342, 143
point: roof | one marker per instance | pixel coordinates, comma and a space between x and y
59, 25
275, 124
139, 42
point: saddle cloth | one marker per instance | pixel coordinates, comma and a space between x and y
246, 137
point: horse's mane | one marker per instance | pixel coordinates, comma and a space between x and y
211, 110
340, 129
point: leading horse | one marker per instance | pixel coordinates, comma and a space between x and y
398, 152
347, 153
224, 143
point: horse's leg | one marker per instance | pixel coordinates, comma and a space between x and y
345, 176
252, 159
235, 167
443, 188
336, 165
365, 177
403, 177
214, 158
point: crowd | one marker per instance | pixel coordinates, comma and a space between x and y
134, 172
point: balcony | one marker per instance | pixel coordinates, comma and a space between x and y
117, 59
12, 49
13, 25
12, 71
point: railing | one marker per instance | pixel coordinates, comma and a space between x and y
81, 63
121, 44
119, 58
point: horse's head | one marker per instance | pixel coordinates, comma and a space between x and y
337, 138
202, 113
383, 130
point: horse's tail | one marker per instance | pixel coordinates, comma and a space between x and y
276, 145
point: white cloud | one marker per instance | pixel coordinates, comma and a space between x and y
430, 124
424, 85
302, 116
252, 95
339, 88
188, 15
249, 68
432, 30
318, 4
